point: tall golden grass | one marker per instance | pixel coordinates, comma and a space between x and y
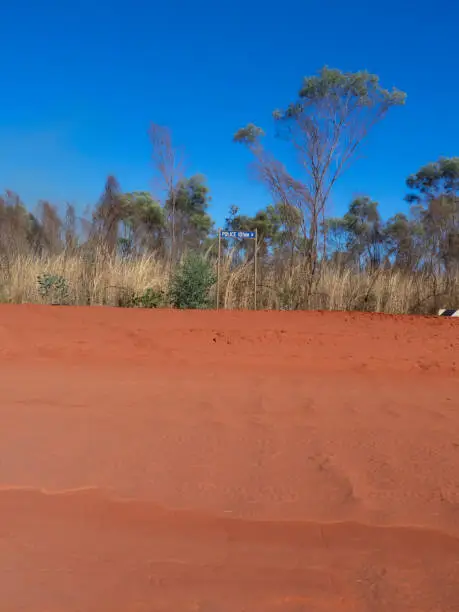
100, 279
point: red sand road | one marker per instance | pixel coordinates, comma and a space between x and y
202, 461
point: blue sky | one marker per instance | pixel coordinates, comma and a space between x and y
81, 83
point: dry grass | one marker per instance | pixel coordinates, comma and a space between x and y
96, 280
102, 280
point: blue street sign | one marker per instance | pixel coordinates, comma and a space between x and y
224, 234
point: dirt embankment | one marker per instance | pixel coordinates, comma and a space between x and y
227, 461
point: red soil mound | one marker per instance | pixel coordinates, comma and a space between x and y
156, 461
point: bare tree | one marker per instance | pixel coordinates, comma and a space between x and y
108, 215
15, 224
70, 229
168, 164
51, 225
333, 114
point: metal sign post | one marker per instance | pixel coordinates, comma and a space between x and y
239, 235
218, 267
255, 271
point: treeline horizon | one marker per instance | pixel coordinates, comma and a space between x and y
297, 241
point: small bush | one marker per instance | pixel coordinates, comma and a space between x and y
127, 297
191, 283
53, 288
124, 297
150, 298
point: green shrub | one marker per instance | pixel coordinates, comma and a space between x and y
150, 298
191, 283
53, 288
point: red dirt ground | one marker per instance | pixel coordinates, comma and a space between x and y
201, 461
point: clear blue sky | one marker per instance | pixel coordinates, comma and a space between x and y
81, 81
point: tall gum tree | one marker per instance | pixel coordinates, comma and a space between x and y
435, 196
332, 115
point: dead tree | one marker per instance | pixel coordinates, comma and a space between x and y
168, 164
